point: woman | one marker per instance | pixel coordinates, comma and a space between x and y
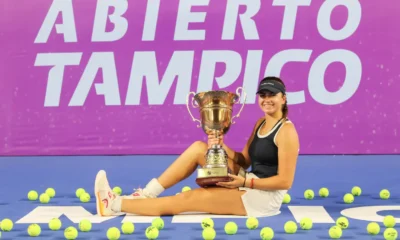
271, 151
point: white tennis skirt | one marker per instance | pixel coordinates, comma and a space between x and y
261, 203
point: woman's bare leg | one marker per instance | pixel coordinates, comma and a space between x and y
187, 163
209, 200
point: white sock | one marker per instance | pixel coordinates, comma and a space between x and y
153, 188
116, 204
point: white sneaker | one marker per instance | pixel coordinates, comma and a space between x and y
104, 195
140, 194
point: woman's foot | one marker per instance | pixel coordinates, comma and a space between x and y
105, 197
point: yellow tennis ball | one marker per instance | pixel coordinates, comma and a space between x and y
373, 228
34, 230
286, 198
209, 233
70, 233
309, 194
113, 233
290, 227
51, 192
44, 198
152, 232
389, 221
335, 232
85, 225
186, 188
306, 223
117, 190
356, 191
158, 223
55, 224
79, 191
33, 195
348, 198
323, 192
231, 228
384, 194
342, 222
390, 234
128, 228
266, 233
85, 197
252, 223
6, 225
207, 222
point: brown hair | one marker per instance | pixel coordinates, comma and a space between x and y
285, 109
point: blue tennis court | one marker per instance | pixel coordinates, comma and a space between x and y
65, 174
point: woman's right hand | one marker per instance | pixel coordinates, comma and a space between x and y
212, 140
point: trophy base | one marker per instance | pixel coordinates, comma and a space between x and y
208, 177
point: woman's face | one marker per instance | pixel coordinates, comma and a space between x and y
270, 103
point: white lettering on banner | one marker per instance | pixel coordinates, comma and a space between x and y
248, 24
150, 21
289, 16
67, 27
318, 214
185, 16
351, 81
100, 20
109, 88
324, 19
233, 65
251, 72
145, 66
58, 61
277, 62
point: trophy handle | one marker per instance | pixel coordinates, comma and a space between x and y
240, 96
187, 105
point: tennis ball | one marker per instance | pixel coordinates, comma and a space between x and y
34, 230
152, 232
309, 194
85, 197
389, 221
113, 233
230, 228
128, 228
79, 191
32, 195
335, 232
207, 222
51, 192
356, 191
117, 190
252, 223
7, 225
390, 234
44, 198
306, 223
186, 188
324, 192
373, 228
290, 227
286, 198
70, 233
384, 194
85, 225
348, 198
209, 233
266, 233
55, 224
158, 223
342, 222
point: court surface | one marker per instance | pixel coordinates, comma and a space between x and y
65, 174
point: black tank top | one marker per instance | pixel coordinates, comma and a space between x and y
264, 153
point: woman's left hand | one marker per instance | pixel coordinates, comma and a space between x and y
237, 181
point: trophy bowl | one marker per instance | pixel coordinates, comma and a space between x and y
216, 118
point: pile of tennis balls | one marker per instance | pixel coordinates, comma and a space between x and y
43, 197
